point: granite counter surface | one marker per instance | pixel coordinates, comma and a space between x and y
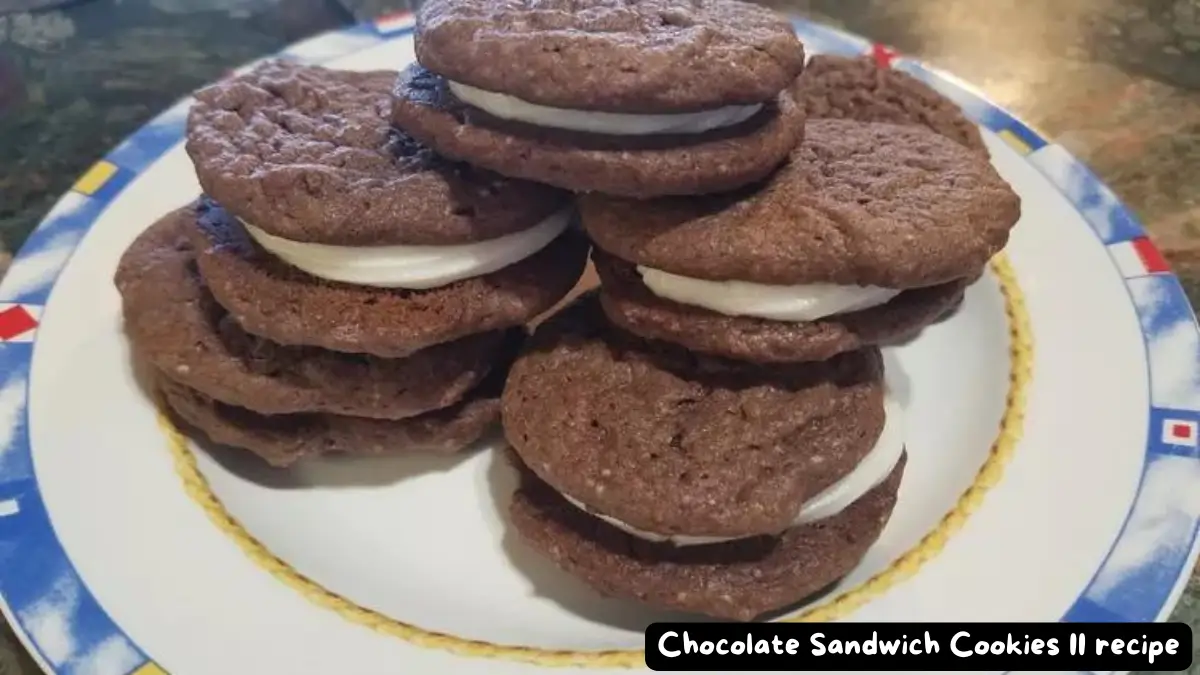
1115, 81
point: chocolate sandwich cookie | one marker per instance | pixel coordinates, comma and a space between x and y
281, 440
282, 303
685, 447
859, 89
636, 99
175, 325
870, 232
735, 581
335, 230
630, 304
306, 154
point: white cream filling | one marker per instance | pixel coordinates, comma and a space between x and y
870, 472
412, 267
797, 303
514, 109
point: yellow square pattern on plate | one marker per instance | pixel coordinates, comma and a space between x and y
95, 178
1014, 141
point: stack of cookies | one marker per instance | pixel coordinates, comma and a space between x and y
711, 430
338, 288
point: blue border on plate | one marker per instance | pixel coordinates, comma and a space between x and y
1139, 579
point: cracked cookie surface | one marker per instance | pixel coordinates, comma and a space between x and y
307, 154
647, 56
841, 87
675, 443
858, 203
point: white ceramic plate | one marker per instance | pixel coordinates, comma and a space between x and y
1052, 433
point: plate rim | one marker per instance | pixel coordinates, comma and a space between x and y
1128, 246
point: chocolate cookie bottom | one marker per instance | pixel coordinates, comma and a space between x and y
281, 440
287, 306
631, 305
626, 166
739, 580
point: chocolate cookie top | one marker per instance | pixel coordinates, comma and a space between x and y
628, 303
859, 89
276, 301
673, 443
650, 56
737, 581
281, 440
628, 166
858, 204
307, 154
176, 326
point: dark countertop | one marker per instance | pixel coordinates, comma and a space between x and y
1116, 81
